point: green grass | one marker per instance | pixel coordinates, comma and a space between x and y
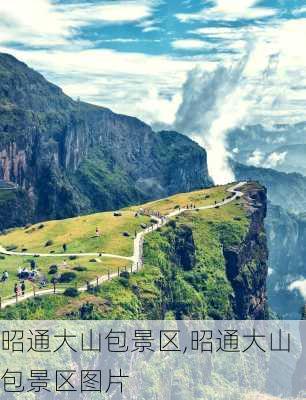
199, 198
79, 234
162, 289
93, 269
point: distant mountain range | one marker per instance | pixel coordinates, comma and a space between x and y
286, 233
68, 157
282, 148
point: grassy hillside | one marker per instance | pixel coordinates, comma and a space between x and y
184, 274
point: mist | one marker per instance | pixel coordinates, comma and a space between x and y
215, 102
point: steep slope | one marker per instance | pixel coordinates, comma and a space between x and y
203, 264
69, 157
286, 233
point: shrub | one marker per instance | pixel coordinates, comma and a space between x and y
172, 224
73, 257
125, 274
67, 277
80, 268
53, 269
2, 257
86, 311
177, 206
49, 243
11, 247
71, 292
124, 282
41, 226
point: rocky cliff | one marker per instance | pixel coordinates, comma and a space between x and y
69, 157
214, 264
286, 232
286, 238
246, 262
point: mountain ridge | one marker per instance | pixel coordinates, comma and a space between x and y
69, 157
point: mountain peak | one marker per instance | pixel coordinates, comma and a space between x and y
23, 88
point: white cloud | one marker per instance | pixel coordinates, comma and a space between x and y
256, 158
213, 103
299, 285
20, 23
275, 159
119, 12
47, 24
229, 10
191, 44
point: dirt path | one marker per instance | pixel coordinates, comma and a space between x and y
137, 257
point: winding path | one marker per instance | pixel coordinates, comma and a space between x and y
137, 258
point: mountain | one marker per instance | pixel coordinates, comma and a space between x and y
68, 157
285, 190
204, 264
282, 147
286, 233
289, 158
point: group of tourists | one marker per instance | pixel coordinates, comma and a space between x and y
148, 213
190, 206
25, 273
19, 289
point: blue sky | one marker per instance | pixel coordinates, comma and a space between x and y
135, 55
139, 56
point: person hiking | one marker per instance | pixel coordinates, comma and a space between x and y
16, 289
64, 247
22, 287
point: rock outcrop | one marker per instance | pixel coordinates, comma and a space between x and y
246, 263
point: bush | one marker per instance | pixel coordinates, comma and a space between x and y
177, 206
71, 292
41, 226
125, 274
124, 282
172, 224
79, 268
2, 257
11, 247
53, 269
67, 277
49, 243
73, 257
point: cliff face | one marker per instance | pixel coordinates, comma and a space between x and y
246, 263
286, 239
214, 263
286, 232
70, 157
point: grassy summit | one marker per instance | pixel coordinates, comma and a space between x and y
200, 281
